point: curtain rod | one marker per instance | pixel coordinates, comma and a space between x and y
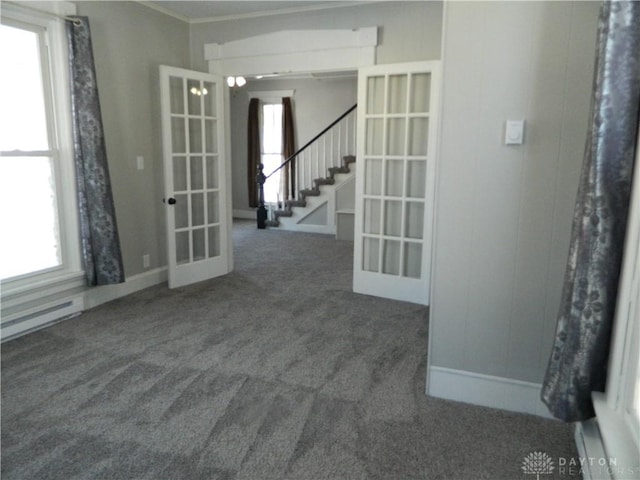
73, 20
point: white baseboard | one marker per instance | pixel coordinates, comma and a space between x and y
486, 390
245, 214
98, 295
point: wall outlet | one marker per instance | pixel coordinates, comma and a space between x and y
146, 261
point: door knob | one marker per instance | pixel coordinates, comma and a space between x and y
171, 201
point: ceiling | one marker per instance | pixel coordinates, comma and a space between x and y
217, 10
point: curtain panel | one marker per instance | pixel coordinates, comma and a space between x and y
578, 362
288, 149
101, 253
253, 150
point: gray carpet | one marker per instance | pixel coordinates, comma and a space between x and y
276, 371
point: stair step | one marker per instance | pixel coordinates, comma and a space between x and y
296, 203
334, 170
347, 159
309, 192
283, 213
324, 181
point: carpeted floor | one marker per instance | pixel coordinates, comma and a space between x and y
276, 371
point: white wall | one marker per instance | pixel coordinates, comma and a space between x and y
130, 42
503, 213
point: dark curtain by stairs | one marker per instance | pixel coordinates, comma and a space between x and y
253, 150
288, 149
101, 254
578, 363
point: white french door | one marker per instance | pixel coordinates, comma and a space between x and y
195, 163
395, 180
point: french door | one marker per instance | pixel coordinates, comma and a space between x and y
395, 180
195, 165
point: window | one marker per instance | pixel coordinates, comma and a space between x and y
271, 150
39, 240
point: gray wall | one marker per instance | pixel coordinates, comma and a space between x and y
316, 103
503, 212
410, 30
130, 42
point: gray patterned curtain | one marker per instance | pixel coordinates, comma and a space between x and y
101, 255
580, 352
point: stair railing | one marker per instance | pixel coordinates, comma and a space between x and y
313, 160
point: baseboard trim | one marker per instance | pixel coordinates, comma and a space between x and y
245, 214
486, 390
98, 295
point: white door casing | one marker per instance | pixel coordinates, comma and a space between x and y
395, 180
195, 168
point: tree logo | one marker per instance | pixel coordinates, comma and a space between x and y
537, 463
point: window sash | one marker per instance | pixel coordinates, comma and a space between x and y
54, 62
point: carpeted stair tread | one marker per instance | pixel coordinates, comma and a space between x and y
324, 181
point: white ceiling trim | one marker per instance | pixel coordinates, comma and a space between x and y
258, 14
294, 51
280, 11
166, 11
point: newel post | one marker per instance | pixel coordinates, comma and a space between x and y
262, 211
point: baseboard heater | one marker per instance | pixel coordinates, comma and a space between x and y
39, 317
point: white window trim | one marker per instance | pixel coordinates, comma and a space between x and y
26, 288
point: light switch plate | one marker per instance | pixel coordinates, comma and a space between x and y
514, 132
140, 162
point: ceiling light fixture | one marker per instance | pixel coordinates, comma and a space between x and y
236, 81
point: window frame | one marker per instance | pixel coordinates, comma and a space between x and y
51, 30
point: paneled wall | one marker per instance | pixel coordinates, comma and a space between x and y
504, 212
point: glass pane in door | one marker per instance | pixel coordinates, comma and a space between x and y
212, 171
179, 174
176, 95
209, 99
420, 92
394, 178
371, 254
178, 135
213, 235
375, 95
196, 173
195, 135
194, 96
412, 260
391, 257
397, 94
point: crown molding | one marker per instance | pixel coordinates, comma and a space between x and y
265, 13
163, 10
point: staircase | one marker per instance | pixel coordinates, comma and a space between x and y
328, 195
325, 174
